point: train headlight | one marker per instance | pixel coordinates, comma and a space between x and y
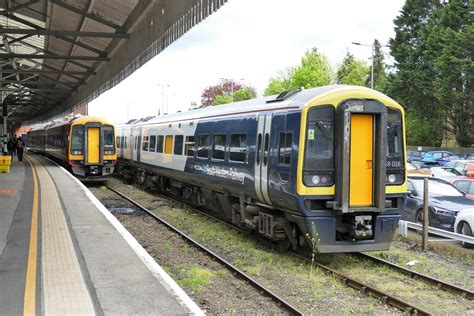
318, 180
395, 177
108, 152
391, 178
76, 152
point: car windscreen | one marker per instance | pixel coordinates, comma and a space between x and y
435, 188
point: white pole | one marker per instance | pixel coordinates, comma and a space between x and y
372, 70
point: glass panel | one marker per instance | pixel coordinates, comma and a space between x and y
109, 143
319, 152
159, 144
394, 140
462, 186
77, 143
238, 147
189, 146
153, 143
284, 152
218, 147
178, 145
259, 148
145, 143
203, 146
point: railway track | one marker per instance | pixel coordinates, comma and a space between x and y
366, 289
280, 301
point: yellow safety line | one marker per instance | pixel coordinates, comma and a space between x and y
29, 302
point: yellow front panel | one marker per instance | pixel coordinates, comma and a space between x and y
169, 144
93, 145
361, 172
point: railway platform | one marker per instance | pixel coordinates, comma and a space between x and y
62, 252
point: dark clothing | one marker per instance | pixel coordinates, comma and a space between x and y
11, 148
19, 149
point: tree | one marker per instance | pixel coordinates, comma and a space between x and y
380, 76
412, 84
314, 71
433, 48
226, 87
352, 71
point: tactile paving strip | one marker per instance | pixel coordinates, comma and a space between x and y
64, 289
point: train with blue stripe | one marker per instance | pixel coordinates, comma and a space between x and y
324, 164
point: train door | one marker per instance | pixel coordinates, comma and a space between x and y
263, 156
137, 140
93, 145
361, 160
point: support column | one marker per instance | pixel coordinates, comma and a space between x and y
4, 131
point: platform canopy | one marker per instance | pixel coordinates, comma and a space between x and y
58, 54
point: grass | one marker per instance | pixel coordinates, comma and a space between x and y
195, 277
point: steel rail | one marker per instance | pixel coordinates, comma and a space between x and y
468, 294
227, 264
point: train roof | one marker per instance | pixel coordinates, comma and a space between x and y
76, 119
295, 99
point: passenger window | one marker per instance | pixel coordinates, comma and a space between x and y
284, 152
153, 143
203, 146
159, 144
178, 145
189, 146
169, 144
145, 143
238, 147
218, 147
121, 141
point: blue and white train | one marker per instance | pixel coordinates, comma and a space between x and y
327, 162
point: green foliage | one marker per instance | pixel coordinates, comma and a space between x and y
352, 71
433, 48
313, 238
421, 130
222, 99
314, 71
380, 76
246, 93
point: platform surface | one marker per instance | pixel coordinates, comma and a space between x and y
61, 252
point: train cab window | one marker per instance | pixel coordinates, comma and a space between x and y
203, 146
159, 143
169, 144
284, 150
318, 169
394, 140
218, 147
189, 146
178, 145
152, 143
77, 143
145, 143
109, 144
238, 147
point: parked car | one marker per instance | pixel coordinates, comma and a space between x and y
444, 202
414, 170
413, 155
464, 167
465, 185
464, 224
442, 172
439, 157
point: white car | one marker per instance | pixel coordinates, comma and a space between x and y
464, 224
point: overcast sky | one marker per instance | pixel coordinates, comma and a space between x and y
249, 41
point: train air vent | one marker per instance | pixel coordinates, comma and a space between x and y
285, 94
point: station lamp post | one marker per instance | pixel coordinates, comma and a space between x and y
163, 86
372, 58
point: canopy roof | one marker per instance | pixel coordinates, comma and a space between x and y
57, 54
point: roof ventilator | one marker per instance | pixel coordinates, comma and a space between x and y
285, 94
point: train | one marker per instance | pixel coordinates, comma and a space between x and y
321, 167
85, 145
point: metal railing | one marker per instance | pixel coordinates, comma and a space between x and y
404, 225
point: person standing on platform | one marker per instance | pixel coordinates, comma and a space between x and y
20, 145
10, 147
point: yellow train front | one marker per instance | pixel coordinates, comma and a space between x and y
85, 145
